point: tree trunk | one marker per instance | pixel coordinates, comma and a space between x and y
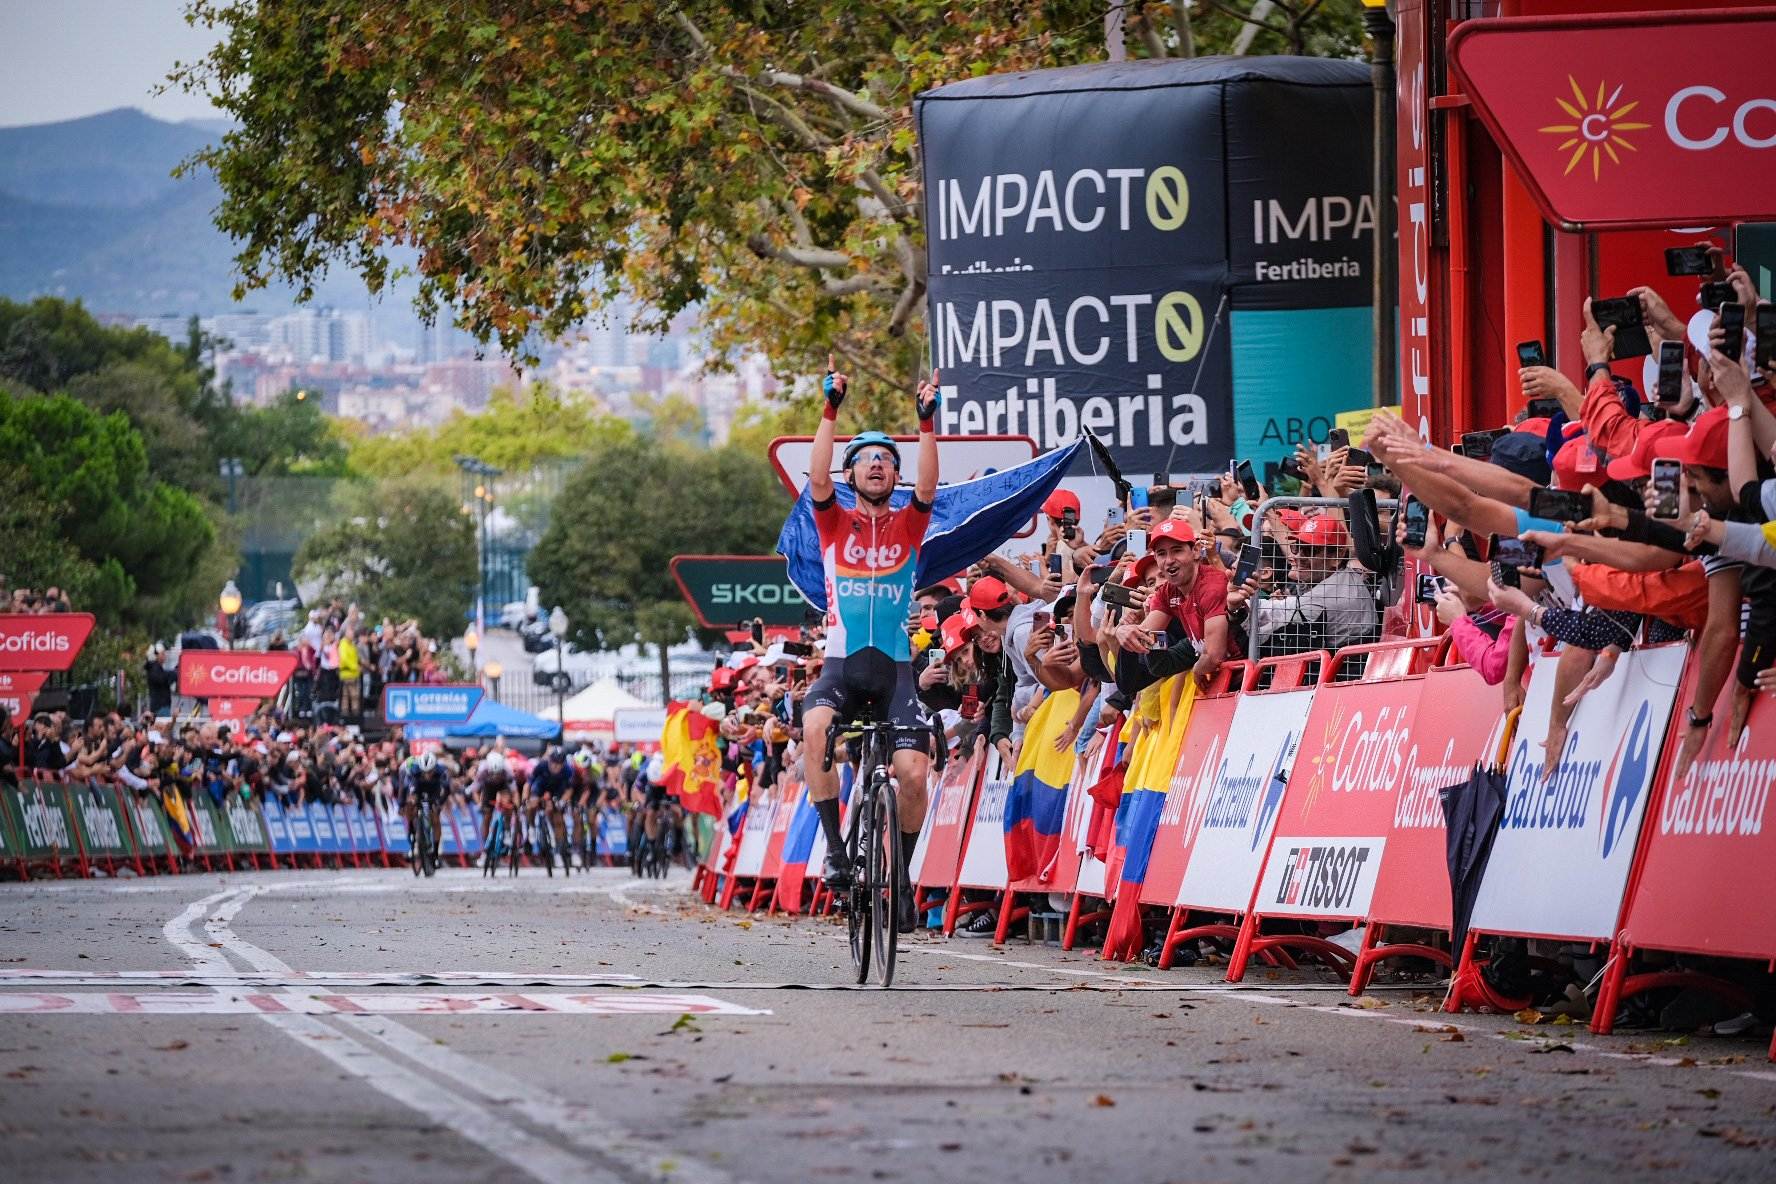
665, 674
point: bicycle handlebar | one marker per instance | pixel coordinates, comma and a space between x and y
933, 733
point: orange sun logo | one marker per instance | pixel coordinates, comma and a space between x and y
1599, 127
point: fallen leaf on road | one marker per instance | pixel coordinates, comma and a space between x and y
949, 1146
1528, 1015
1552, 1048
1710, 1094
1369, 1003
1103, 1100
744, 924
1455, 1038
175, 1046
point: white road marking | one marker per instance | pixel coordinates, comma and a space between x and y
286, 1001
487, 1123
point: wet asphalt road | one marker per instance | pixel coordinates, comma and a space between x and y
366, 1026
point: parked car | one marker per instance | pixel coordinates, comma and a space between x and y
569, 668
267, 617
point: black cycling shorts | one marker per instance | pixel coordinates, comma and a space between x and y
869, 685
656, 795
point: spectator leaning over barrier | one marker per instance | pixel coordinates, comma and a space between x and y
1188, 611
1334, 596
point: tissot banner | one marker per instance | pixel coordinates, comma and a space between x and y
1646, 119
1091, 232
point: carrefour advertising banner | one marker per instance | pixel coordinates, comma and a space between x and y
1566, 842
1097, 236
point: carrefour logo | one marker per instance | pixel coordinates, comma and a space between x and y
1626, 778
1597, 128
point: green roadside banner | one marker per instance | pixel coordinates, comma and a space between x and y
246, 827
103, 831
209, 826
40, 817
153, 835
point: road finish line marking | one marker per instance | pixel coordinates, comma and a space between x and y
297, 1002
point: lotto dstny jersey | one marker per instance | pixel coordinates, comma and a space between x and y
870, 564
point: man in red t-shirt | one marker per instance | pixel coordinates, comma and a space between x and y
1191, 596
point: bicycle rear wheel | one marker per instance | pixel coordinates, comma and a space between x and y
428, 854
413, 839
884, 875
514, 845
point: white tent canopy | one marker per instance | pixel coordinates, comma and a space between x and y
596, 706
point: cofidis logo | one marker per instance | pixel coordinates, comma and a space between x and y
1600, 127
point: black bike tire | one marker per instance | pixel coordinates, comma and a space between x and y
412, 840
428, 862
885, 878
857, 924
545, 842
514, 846
490, 846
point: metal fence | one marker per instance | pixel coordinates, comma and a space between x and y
1320, 597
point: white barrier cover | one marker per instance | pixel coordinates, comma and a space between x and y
1565, 844
1231, 815
983, 860
1092, 871
755, 834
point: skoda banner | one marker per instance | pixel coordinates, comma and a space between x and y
1171, 254
243, 674
726, 591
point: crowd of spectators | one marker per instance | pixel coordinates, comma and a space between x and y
29, 600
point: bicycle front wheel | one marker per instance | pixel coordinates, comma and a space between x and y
884, 877
858, 840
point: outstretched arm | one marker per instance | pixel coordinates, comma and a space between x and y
820, 482
926, 401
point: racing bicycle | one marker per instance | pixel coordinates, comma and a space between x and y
421, 841
872, 843
503, 842
543, 834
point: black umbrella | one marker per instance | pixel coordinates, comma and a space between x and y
1471, 812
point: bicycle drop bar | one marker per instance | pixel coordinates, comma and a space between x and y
890, 733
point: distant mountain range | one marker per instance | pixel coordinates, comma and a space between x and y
89, 210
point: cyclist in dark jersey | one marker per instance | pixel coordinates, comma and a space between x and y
870, 554
427, 784
552, 781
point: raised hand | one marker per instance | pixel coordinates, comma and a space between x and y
834, 385
927, 398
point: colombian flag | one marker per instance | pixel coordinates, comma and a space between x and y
178, 818
1036, 805
1144, 787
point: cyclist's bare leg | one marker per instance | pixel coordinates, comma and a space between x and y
911, 768
823, 783
558, 821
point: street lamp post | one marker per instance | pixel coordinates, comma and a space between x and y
558, 628
493, 670
230, 603
471, 642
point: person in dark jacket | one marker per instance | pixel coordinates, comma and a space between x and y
160, 681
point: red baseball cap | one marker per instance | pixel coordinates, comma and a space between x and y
988, 594
722, 678
1322, 530
1060, 501
1706, 445
1576, 465
1639, 463
1535, 427
928, 621
1175, 529
1292, 520
1143, 565
959, 629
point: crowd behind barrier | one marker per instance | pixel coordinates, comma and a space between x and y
1494, 711
1551, 633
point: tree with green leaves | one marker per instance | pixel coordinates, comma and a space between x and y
400, 548
633, 505
143, 552
754, 161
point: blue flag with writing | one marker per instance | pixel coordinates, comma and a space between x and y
969, 520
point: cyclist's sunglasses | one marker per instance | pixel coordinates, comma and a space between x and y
869, 456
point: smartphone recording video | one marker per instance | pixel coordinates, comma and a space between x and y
1249, 558
1667, 487
1688, 261
1248, 480
1623, 314
1559, 505
1732, 323
1428, 588
1418, 523
1671, 362
1531, 353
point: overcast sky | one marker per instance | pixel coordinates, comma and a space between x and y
62, 59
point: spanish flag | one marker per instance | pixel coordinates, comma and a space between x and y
1036, 805
691, 751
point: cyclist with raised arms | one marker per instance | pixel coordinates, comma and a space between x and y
870, 555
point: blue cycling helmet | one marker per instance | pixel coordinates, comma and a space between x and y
863, 440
